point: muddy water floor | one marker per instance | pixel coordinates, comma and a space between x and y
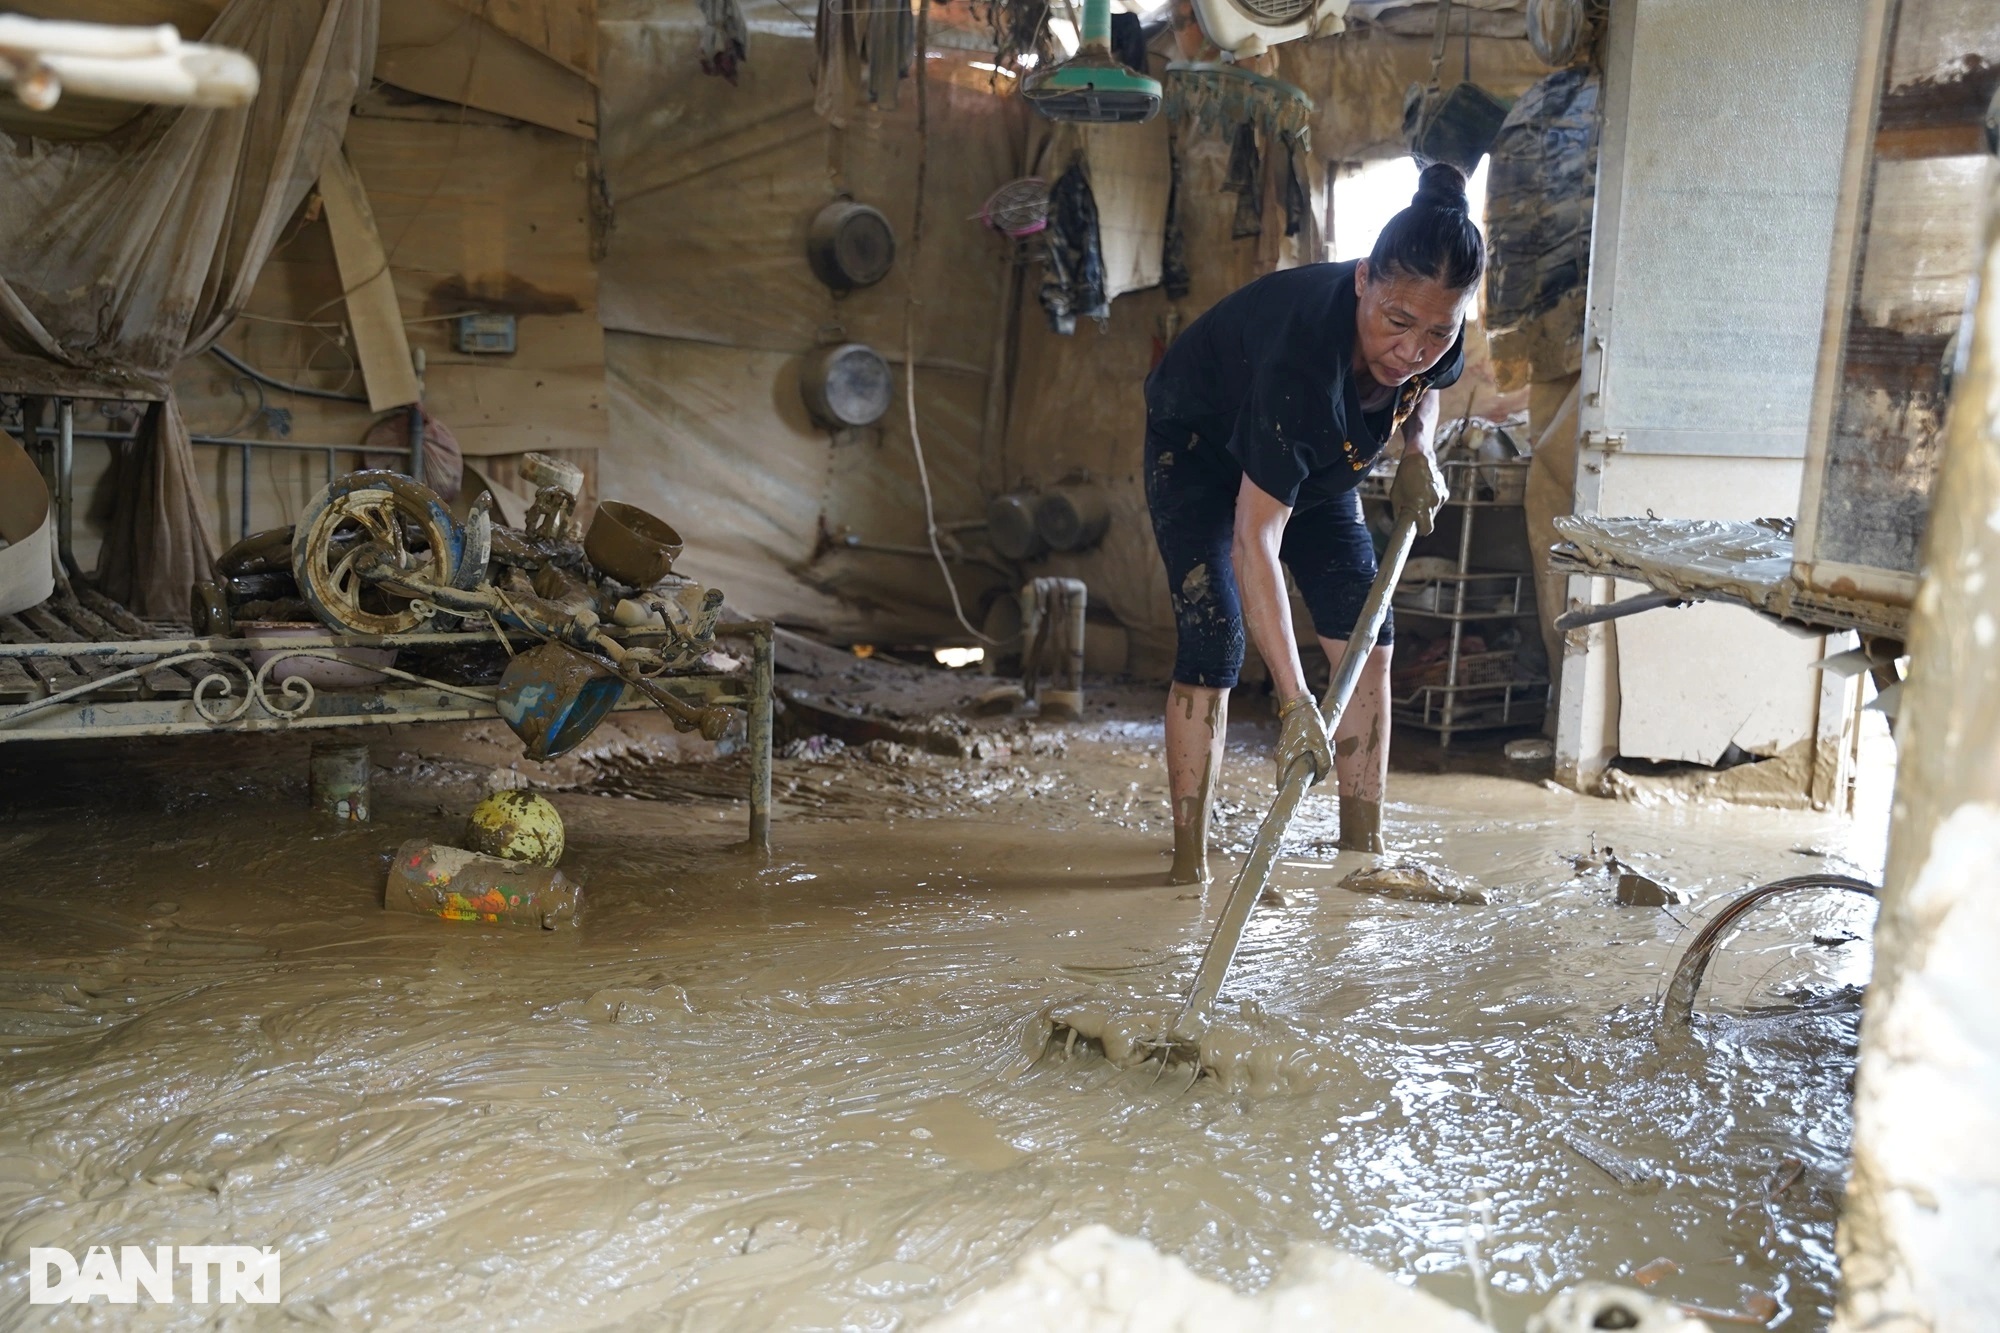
796, 1095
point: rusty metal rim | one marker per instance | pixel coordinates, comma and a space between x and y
1677, 1009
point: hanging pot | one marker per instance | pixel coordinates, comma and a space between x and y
850, 245
846, 385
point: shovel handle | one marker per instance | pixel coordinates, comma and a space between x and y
1368, 627
1256, 870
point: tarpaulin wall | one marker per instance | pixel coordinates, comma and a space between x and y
710, 308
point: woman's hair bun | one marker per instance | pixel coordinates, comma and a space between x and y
1441, 186
1435, 237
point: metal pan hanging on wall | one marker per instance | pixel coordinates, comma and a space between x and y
850, 245
846, 385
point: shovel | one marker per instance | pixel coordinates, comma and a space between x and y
1181, 1042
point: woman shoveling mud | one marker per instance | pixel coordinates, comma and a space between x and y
1261, 421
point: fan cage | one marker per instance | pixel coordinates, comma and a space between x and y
1018, 208
1277, 12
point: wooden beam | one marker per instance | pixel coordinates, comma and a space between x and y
563, 30
380, 344
437, 48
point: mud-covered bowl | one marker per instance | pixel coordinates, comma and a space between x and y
346, 669
634, 547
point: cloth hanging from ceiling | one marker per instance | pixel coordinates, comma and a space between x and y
161, 541
1174, 273
873, 42
724, 38
1245, 179
1131, 175
1298, 207
1128, 41
120, 256
1073, 270
833, 55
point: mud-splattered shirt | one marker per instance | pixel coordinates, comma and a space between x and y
1269, 370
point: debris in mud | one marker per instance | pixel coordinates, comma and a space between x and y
1759, 1309
804, 715
1654, 1273
981, 749
1415, 881
516, 826
1257, 1055
1631, 1174
890, 754
431, 879
813, 749
999, 700
630, 1005
1633, 886
1594, 859
1637, 890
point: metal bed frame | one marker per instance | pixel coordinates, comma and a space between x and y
80, 665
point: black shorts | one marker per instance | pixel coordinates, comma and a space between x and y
1191, 486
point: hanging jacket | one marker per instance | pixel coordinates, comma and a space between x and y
1073, 268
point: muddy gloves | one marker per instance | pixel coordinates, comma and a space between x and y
1302, 731
1418, 491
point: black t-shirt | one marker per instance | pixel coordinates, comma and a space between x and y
1269, 369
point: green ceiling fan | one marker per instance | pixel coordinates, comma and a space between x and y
1092, 86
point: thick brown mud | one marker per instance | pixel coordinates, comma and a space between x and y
796, 1094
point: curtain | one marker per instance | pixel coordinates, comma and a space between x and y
120, 256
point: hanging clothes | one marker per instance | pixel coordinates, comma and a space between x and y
1073, 266
1131, 173
724, 38
888, 49
865, 40
833, 45
1174, 274
1128, 41
1298, 205
1245, 179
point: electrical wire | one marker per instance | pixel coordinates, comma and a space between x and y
305, 391
341, 323
910, 327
